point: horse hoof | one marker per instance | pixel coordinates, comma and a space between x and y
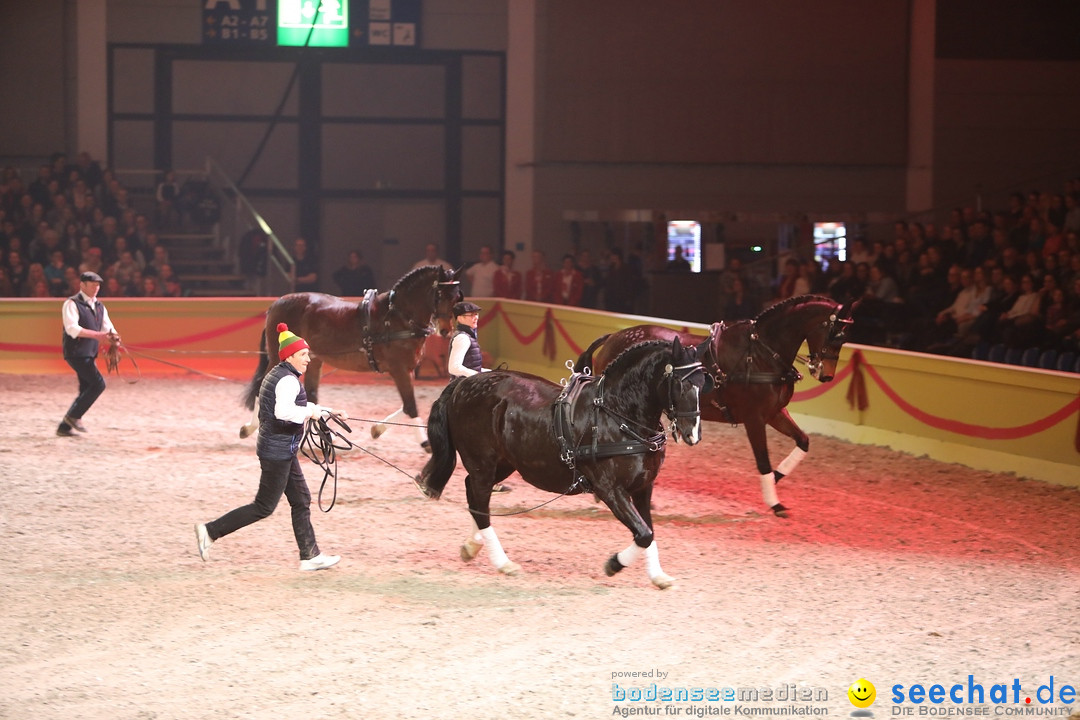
510, 568
663, 581
426, 446
469, 549
780, 511
245, 431
613, 565
376, 431
423, 488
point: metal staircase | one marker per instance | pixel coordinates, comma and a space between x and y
203, 250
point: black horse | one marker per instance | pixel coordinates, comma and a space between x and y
597, 434
385, 333
752, 364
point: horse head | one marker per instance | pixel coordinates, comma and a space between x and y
825, 341
654, 378
425, 295
686, 381
447, 294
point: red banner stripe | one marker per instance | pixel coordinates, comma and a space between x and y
207, 335
962, 428
154, 345
821, 388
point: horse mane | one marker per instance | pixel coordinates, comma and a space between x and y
783, 305
409, 278
632, 348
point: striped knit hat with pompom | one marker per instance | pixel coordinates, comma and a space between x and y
289, 343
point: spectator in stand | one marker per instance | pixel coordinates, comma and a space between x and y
112, 288
592, 279
845, 287
788, 282
569, 283
6, 288
481, 274
71, 277
619, 284
166, 194
17, 271
678, 263
507, 282
124, 268
92, 261
135, 288
305, 269
1022, 324
1072, 213
859, 253
1055, 240
431, 257
355, 276
1056, 314
539, 280
35, 274
740, 305
173, 287
54, 274
1004, 290
150, 287
159, 260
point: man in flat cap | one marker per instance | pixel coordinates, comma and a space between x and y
86, 325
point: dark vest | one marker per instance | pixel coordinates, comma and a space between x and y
90, 318
278, 439
473, 359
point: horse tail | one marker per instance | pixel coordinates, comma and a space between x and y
440, 466
585, 360
252, 390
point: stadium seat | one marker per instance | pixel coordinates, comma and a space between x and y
1076, 367
981, 351
1048, 359
1065, 361
1030, 357
1013, 356
997, 353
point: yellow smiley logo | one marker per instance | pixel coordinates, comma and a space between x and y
862, 693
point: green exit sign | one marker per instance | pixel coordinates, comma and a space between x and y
313, 23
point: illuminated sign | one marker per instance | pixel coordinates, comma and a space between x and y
313, 23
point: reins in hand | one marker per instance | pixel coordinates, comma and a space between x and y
319, 446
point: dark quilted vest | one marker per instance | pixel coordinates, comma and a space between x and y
278, 439
90, 318
473, 359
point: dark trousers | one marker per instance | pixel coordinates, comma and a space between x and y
278, 477
91, 385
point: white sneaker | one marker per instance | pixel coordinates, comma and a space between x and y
203, 538
320, 562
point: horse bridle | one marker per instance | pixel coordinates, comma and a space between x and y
415, 330
680, 374
830, 346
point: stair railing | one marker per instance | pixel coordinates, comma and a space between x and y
238, 217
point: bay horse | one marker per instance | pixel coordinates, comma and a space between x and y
752, 365
385, 332
598, 434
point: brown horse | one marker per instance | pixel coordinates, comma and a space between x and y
385, 333
597, 434
752, 364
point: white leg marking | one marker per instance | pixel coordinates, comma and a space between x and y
768, 489
788, 464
